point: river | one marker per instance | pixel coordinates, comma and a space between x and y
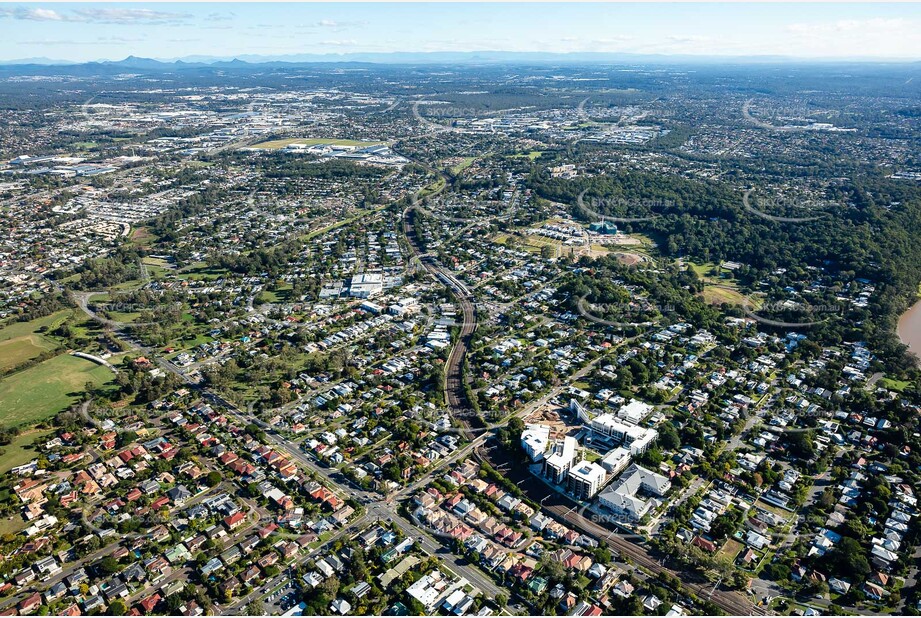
909, 329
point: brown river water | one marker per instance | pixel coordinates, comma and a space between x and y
909, 329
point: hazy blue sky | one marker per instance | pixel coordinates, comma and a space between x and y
90, 31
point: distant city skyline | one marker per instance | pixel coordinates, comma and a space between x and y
112, 31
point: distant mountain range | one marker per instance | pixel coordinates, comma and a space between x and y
447, 58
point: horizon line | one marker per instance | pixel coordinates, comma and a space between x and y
206, 59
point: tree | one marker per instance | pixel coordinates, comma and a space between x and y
602, 555
725, 524
669, 439
255, 608
856, 528
108, 566
816, 588
801, 444
827, 499
330, 587
848, 558
213, 478
652, 458
552, 569
118, 608
776, 571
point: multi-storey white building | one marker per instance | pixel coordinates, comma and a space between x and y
585, 480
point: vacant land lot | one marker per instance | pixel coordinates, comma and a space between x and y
721, 287
895, 385
710, 272
717, 295
358, 215
42, 391
434, 188
533, 243
158, 268
142, 237
200, 271
461, 165
278, 295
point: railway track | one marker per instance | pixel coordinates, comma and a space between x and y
733, 603
454, 392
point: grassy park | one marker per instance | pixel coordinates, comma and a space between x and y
20, 450
14, 352
36, 393
22, 341
533, 155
